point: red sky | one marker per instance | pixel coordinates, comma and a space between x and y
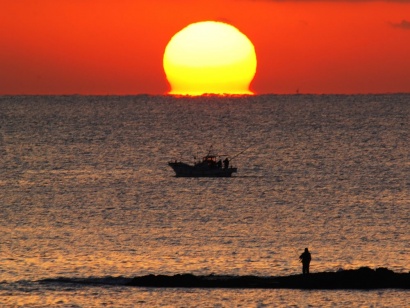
116, 46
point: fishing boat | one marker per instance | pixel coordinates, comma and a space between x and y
209, 166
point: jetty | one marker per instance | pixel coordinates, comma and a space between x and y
362, 278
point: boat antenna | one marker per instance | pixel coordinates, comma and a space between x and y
210, 149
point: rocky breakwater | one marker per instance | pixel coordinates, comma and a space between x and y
362, 278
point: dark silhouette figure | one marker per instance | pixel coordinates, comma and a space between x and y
226, 163
219, 164
305, 258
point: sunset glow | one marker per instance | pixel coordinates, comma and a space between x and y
210, 57
117, 47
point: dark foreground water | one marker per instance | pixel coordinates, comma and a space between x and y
85, 191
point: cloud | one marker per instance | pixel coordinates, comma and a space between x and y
404, 24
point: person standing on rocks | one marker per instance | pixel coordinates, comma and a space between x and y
305, 258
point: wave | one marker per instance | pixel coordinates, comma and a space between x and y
115, 281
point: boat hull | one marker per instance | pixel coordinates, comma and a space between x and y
185, 170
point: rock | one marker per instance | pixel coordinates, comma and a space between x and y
362, 278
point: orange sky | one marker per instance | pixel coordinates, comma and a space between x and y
116, 46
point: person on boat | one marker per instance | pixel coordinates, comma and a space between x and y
226, 163
305, 258
219, 164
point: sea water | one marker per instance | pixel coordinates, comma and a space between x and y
86, 192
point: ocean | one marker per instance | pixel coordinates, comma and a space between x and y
86, 193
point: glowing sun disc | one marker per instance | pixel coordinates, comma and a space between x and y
209, 57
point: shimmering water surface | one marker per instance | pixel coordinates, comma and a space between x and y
85, 190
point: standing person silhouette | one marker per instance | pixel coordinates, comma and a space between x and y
226, 163
305, 258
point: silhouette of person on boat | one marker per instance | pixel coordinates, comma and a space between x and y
305, 258
226, 163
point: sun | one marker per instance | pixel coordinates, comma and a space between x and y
209, 57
